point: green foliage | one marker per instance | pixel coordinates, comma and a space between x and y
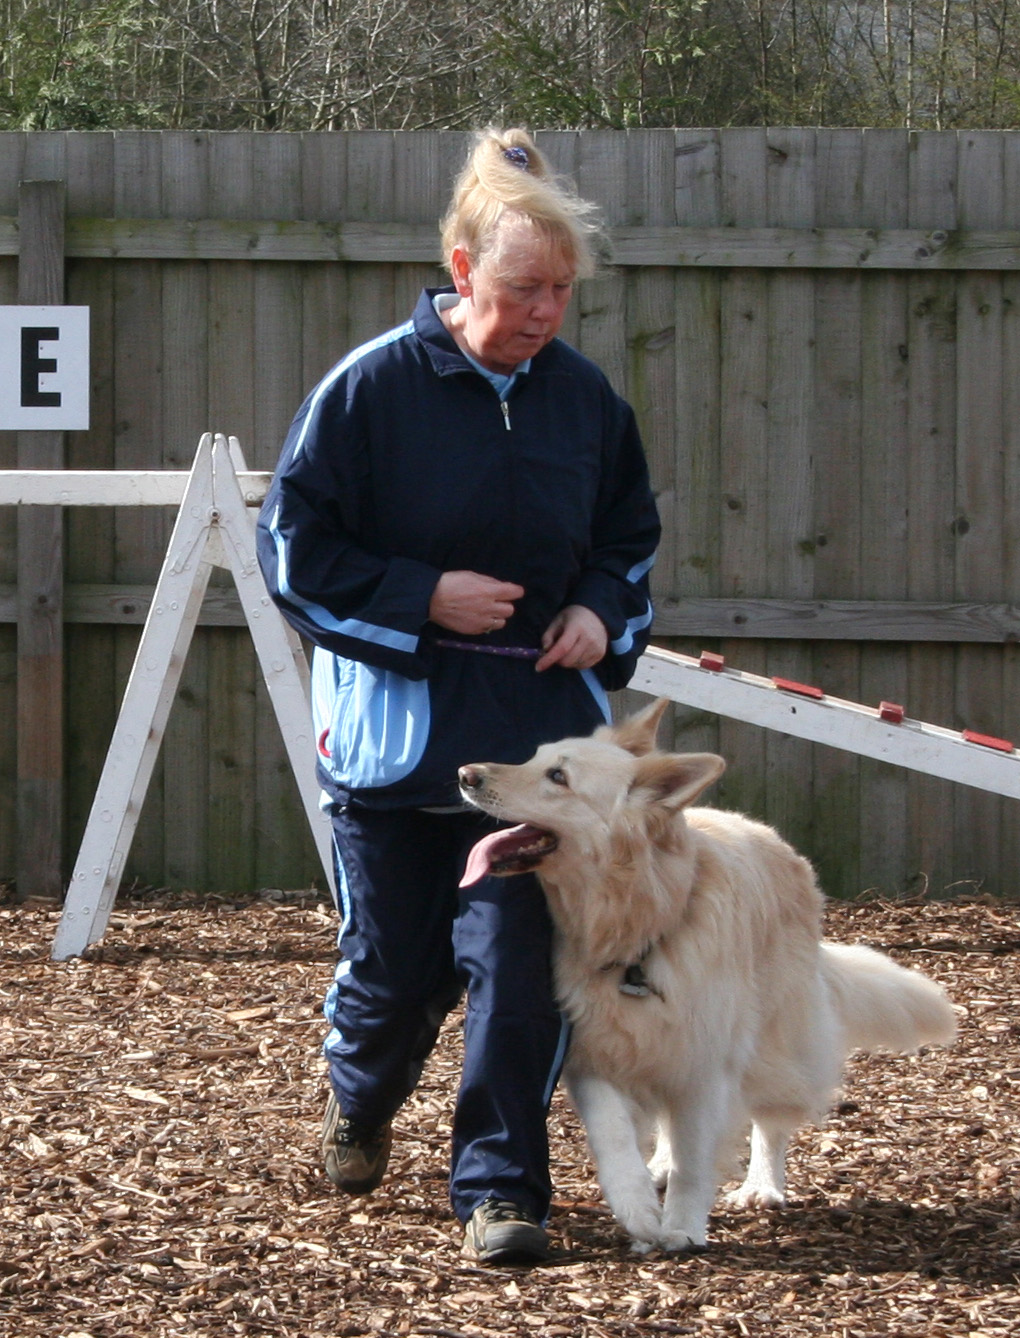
69, 65
425, 64
618, 64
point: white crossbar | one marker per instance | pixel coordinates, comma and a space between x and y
111, 487
841, 724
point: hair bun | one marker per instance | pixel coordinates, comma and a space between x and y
506, 174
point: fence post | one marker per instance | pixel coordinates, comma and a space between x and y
40, 699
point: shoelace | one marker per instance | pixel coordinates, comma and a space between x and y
499, 1210
357, 1135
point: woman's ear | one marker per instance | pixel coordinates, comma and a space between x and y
462, 271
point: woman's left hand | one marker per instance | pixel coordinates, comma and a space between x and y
575, 639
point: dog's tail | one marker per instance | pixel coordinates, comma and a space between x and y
883, 1006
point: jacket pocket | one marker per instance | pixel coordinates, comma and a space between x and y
371, 725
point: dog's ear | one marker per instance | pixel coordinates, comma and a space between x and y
676, 779
637, 733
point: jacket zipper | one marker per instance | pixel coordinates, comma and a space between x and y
506, 413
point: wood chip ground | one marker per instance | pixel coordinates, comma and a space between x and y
160, 1176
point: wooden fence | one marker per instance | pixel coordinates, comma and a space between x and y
818, 330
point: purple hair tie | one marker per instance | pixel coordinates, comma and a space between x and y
517, 156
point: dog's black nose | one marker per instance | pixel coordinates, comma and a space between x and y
470, 778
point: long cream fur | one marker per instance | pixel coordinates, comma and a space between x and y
747, 1016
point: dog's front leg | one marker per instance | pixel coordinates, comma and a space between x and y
613, 1138
765, 1183
699, 1124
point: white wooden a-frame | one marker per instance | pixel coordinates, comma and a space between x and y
214, 529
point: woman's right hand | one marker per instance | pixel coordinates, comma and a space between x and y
472, 604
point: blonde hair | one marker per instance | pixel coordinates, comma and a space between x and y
507, 177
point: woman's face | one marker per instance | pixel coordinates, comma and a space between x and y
513, 301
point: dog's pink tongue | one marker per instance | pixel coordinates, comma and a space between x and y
485, 851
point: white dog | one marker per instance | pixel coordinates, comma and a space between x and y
689, 960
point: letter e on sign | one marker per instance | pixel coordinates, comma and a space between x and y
44, 368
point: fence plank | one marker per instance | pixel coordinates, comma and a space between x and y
40, 701
930, 472
836, 481
91, 688
651, 344
1010, 849
744, 446
11, 155
978, 527
370, 192
191, 166
141, 534
423, 171
696, 294
247, 795
8, 635
883, 504
790, 184
255, 330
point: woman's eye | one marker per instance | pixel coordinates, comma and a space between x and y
556, 775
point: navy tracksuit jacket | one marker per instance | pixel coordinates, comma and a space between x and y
404, 463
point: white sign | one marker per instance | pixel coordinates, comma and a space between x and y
44, 368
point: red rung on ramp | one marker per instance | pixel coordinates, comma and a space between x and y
802, 689
987, 741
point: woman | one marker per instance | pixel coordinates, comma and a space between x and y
461, 523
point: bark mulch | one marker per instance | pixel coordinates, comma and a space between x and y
159, 1169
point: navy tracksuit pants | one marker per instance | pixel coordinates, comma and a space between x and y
411, 942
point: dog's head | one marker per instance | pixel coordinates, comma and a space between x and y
572, 797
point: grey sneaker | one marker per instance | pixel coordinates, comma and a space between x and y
502, 1233
355, 1156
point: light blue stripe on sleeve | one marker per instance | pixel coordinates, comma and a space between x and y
625, 641
635, 573
352, 627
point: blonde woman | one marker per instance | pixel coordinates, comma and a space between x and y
461, 523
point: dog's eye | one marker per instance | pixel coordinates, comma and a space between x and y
557, 775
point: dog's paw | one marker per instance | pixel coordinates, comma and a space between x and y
642, 1223
681, 1242
643, 1247
755, 1196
